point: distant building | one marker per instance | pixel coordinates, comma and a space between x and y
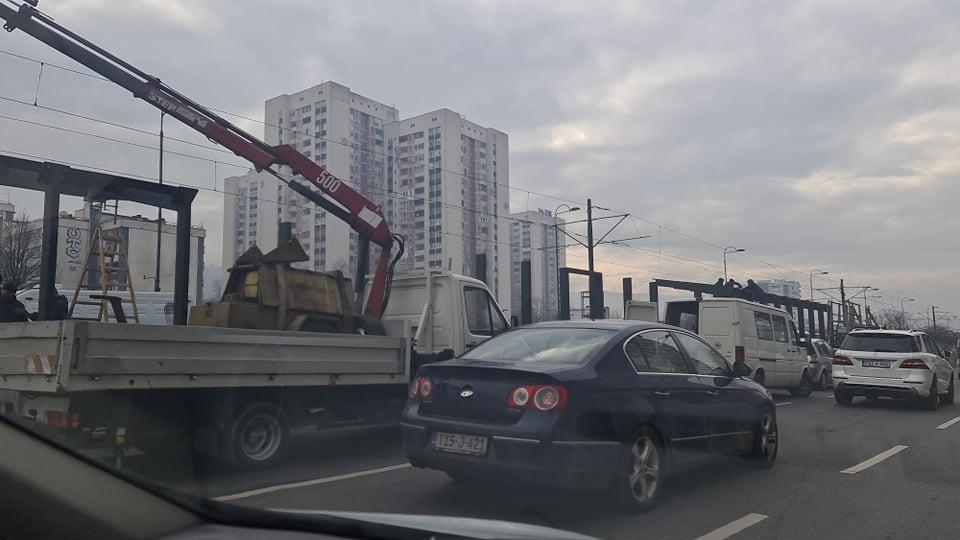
533, 238
344, 132
442, 182
782, 287
6, 213
449, 179
250, 214
140, 238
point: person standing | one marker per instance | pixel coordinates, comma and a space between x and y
11, 309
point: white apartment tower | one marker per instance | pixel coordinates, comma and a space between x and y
450, 180
344, 132
533, 237
250, 214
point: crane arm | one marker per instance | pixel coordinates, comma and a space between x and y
362, 214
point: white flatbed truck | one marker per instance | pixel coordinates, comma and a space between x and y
232, 394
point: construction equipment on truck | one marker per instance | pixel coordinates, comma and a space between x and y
335, 195
226, 387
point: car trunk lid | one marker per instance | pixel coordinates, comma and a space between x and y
478, 391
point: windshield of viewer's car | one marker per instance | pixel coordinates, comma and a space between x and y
555, 345
890, 343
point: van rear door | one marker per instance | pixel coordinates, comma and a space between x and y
716, 326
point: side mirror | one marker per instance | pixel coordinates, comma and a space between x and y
945, 354
741, 369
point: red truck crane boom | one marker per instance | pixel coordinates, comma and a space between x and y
362, 214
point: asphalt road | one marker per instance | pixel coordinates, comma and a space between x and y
912, 493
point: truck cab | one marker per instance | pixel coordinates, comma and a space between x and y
443, 312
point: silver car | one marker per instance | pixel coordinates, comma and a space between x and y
892, 363
819, 363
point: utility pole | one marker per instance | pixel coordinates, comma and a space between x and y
933, 310
590, 245
843, 306
156, 271
596, 280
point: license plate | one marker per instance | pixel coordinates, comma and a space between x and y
457, 443
875, 363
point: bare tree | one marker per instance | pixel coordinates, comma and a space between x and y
893, 319
20, 252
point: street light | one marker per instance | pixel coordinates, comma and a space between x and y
556, 246
819, 273
903, 314
729, 249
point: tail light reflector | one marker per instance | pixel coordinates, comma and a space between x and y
913, 363
57, 419
420, 388
841, 360
740, 355
545, 397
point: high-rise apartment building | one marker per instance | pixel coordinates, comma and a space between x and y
441, 180
533, 237
450, 182
344, 132
782, 287
250, 214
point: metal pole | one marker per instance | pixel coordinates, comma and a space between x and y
811, 286
933, 310
556, 255
843, 306
156, 272
590, 235
724, 265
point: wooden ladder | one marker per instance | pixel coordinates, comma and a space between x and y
107, 257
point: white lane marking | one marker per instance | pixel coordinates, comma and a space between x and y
734, 527
305, 483
875, 459
949, 423
783, 403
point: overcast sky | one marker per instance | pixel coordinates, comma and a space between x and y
816, 135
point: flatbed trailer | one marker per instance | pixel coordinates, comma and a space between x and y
233, 395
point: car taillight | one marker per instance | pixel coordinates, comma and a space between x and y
913, 363
57, 419
546, 397
519, 397
420, 388
841, 360
426, 388
740, 355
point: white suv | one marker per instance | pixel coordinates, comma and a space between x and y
892, 363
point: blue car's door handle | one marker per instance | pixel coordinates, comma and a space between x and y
661, 394
713, 393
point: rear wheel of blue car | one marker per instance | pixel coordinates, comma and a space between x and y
639, 479
766, 441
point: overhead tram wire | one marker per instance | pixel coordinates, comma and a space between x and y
382, 154
409, 161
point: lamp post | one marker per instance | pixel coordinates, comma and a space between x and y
556, 246
819, 273
729, 249
903, 314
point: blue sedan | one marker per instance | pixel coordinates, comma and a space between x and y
590, 404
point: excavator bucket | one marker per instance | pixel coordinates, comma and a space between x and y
289, 252
250, 256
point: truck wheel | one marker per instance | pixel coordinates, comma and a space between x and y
758, 377
258, 437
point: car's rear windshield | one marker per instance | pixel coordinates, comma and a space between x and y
558, 345
895, 343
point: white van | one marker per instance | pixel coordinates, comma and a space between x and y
762, 336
